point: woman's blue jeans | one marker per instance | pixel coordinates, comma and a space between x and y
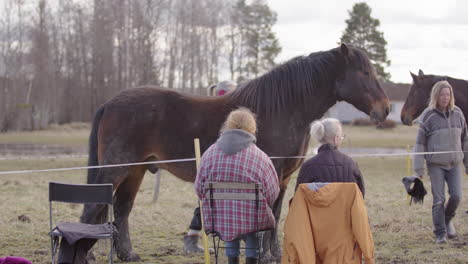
232, 247
443, 212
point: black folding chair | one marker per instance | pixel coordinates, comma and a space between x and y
81, 194
256, 196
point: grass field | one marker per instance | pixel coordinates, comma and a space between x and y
402, 234
70, 134
357, 137
370, 137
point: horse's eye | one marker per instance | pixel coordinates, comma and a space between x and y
366, 73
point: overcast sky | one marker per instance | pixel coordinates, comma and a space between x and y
431, 35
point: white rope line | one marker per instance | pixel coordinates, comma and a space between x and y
97, 167
193, 159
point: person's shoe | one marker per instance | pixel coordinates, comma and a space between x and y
441, 240
451, 232
233, 260
191, 244
250, 261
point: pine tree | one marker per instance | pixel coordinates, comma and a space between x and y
362, 32
260, 44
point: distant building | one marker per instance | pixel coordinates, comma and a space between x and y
397, 93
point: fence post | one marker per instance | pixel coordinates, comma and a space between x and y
408, 170
196, 142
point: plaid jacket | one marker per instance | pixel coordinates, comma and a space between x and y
234, 218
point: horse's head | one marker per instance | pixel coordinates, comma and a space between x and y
418, 97
357, 83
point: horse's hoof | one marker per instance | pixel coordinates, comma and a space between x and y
132, 257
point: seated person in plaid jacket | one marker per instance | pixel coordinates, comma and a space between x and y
234, 157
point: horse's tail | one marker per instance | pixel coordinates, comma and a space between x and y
93, 145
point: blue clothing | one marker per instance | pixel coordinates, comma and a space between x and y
251, 241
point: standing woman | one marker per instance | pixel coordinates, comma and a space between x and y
442, 127
330, 164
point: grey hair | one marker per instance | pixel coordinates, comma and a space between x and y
324, 131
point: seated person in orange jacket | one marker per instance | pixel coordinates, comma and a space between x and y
327, 223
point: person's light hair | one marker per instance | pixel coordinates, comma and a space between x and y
324, 131
438, 86
241, 118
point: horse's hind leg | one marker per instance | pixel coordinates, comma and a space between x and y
96, 213
123, 203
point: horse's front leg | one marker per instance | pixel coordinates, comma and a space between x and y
271, 249
124, 198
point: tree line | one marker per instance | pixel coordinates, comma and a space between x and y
60, 60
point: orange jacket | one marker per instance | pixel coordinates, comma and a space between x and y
327, 224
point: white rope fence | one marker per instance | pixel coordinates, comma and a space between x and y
189, 159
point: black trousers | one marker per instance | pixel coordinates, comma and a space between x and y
196, 220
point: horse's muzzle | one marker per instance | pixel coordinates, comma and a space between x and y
380, 111
407, 116
406, 120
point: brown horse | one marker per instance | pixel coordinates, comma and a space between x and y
420, 92
149, 123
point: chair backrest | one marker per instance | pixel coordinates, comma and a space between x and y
80, 193
251, 196
233, 191
212, 189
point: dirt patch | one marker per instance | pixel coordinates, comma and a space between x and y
24, 218
165, 251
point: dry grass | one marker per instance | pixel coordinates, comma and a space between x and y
70, 134
402, 234
356, 137
371, 137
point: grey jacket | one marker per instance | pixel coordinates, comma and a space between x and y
441, 132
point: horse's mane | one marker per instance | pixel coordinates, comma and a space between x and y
436, 78
292, 83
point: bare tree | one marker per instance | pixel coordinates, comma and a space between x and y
59, 62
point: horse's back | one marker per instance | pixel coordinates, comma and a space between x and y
160, 123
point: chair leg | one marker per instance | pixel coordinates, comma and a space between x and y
216, 249
53, 247
111, 261
259, 246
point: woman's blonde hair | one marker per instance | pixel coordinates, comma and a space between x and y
325, 131
438, 86
241, 118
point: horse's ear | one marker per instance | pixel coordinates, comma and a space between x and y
414, 76
345, 51
420, 73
